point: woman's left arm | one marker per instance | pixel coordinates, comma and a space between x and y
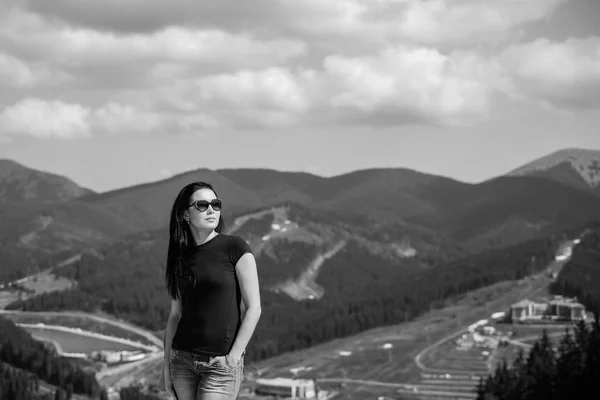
248, 280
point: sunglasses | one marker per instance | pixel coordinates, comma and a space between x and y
202, 205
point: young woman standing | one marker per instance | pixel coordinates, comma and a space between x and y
213, 283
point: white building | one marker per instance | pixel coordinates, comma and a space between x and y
557, 309
286, 387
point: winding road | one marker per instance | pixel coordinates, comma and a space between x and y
121, 324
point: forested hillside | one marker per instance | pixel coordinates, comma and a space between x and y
362, 290
18, 384
491, 214
24, 362
572, 371
581, 275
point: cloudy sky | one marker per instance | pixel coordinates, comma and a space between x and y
117, 92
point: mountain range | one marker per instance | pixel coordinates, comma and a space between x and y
19, 185
46, 217
579, 168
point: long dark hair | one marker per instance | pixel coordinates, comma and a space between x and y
181, 241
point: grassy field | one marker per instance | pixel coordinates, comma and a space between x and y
450, 369
362, 356
46, 281
527, 335
42, 282
360, 367
508, 353
448, 357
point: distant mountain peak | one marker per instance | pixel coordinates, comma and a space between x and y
20, 184
585, 162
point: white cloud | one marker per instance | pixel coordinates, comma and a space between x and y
565, 74
148, 15
431, 21
398, 84
417, 82
60, 120
269, 97
271, 88
188, 66
45, 119
76, 47
117, 118
15, 73
461, 22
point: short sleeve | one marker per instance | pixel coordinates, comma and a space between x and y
238, 248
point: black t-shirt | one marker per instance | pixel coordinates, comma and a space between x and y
211, 314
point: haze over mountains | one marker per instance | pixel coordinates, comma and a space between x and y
59, 218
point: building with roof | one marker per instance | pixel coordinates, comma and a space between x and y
286, 388
559, 308
567, 310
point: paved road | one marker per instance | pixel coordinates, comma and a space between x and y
419, 356
123, 325
533, 291
406, 388
119, 372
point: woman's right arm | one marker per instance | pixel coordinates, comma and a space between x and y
172, 322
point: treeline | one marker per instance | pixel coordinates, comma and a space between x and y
125, 279
258, 226
362, 290
32, 361
19, 384
580, 277
128, 280
570, 372
13, 266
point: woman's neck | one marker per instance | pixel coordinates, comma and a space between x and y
201, 237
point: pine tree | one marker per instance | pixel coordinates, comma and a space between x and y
59, 394
518, 371
502, 381
591, 369
487, 389
481, 389
541, 370
581, 334
69, 389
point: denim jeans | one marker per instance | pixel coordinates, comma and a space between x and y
192, 375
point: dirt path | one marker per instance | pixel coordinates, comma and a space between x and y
311, 273
306, 287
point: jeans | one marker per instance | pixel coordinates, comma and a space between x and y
192, 376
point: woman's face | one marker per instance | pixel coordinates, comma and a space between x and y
203, 220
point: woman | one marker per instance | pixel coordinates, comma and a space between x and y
213, 283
